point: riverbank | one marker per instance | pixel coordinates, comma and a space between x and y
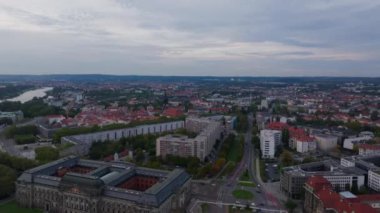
29, 95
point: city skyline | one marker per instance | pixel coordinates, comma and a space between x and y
190, 38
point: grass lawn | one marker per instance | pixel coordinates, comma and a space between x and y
242, 194
12, 207
64, 146
238, 210
204, 207
247, 183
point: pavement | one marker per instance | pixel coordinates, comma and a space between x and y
218, 193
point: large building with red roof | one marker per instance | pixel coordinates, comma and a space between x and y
369, 149
321, 197
299, 140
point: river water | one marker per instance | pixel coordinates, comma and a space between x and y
29, 95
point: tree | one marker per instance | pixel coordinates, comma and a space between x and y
6, 121
354, 188
7, 179
242, 122
285, 137
139, 155
17, 163
278, 151
256, 141
218, 165
286, 158
356, 126
374, 115
290, 205
46, 154
347, 187
308, 159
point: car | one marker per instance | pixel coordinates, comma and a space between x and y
258, 191
253, 204
238, 202
261, 204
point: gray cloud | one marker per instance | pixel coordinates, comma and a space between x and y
191, 37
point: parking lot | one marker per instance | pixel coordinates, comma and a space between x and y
272, 172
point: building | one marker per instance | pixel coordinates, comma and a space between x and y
350, 143
269, 140
299, 140
304, 144
326, 142
262, 118
320, 197
83, 142
370, 164
293, 178
14, 116
369, 149
179, 145
208, 129
264, 104
72, 185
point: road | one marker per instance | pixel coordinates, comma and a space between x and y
263, 196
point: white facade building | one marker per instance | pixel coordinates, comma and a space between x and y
374, 179
369, 149
209, 130
349, 143
306, 146
326, 142
269, 139
343, 180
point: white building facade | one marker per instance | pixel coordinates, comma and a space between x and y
269, 139
374, 179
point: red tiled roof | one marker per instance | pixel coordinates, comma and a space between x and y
318, 182
369, 146
277, 126
332, 200
173, 112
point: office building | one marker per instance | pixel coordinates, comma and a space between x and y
293, 178
73, 185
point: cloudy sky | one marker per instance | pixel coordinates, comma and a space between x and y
191, 37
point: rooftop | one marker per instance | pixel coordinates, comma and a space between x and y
115, 179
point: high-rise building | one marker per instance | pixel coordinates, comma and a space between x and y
269, 140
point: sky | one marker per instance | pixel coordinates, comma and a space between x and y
191, 37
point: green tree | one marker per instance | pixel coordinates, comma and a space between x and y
290, 205
6, 121
354, 188
355, 125
286, 158
375, 116
308, 159
24, 139
17, 163
285, 138
46, 154
7, 179
278, 150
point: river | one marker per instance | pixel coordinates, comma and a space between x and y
29, 95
